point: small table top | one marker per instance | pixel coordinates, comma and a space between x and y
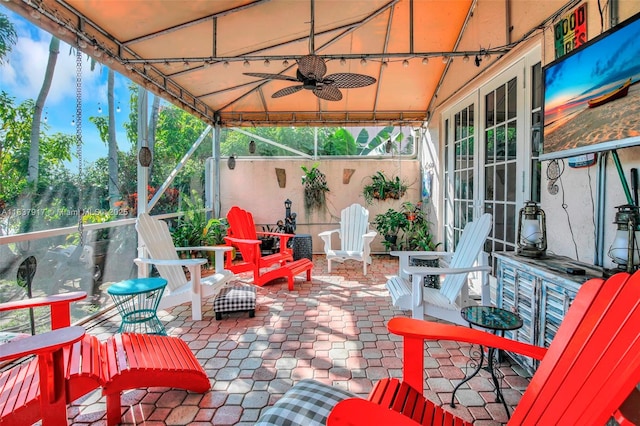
136, 286
491, 317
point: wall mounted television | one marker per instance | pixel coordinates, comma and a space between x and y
592, 95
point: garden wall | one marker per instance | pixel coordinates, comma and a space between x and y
253, 185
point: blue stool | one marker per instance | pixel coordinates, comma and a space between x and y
137, 302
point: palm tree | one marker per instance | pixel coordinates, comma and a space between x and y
8, 37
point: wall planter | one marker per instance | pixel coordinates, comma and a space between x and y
315, 187
383, 187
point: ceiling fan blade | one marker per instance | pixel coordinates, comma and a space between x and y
270, 76
328, 92
346, 80
287, 91
312, 66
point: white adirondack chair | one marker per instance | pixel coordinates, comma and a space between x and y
156, 239
407, 289
355, 237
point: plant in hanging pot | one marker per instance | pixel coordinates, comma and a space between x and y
383, 187
315, 187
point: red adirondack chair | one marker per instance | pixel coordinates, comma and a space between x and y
588, 374
70, 364
244, 237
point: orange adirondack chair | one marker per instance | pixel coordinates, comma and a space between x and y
588, 374
243, 236
70, 364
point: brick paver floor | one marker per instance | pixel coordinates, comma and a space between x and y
332, 329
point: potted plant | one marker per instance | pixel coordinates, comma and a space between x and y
193, 229
383, 187
315, 187
417, 236
389, 224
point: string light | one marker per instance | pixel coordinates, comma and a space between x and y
405, 63
425, 60
73, 120
267, 63
384, 64
46, 117
363, 61
118, 107
285, 63
99, 108
444, 59
246, 64
82, 44
224, 64
465, 59
343, 61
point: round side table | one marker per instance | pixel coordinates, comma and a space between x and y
498, 320
137, 302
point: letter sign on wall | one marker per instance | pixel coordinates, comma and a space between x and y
571, 31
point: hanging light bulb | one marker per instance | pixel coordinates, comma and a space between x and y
343, 61
425, 60
285, 63
225, 64
246, 64
99, 108
73, 120
186, 64
444, 59
267, 63
62, 30
35, 14
465, 59
405, 63
363, 61
46, 117
118, 107
384, 64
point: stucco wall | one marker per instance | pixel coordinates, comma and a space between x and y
253, 185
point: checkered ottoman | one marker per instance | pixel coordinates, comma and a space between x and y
308, 403
235, 298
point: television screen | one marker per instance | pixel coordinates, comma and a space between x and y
592, 95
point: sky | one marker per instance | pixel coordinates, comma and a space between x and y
22, 74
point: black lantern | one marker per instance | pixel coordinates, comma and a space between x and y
625, 243
231, 162
532, 231
144, 156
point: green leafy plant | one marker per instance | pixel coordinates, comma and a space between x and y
315, 187
388, 224
193, 229
383, 187
406, 229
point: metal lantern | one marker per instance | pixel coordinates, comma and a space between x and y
144, 156
624, 246
532, 231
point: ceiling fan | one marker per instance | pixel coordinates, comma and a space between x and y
311, 73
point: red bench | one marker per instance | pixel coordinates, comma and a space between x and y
297, 267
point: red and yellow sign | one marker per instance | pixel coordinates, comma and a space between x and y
571, 31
